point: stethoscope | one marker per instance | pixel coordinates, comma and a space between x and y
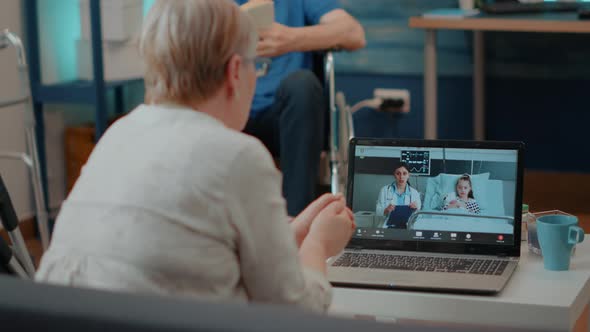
390, 194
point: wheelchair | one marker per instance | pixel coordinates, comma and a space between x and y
341, 124
339, 127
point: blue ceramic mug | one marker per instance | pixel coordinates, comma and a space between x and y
557, 236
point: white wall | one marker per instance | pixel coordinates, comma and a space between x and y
15, 173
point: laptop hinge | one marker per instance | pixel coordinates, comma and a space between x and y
357, 248
505, 255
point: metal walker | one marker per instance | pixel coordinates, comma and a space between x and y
31, 156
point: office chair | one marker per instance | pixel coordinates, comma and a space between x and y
31, 157
10, 223
28, 306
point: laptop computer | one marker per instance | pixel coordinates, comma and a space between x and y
444, 247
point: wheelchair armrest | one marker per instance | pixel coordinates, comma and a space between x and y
323, 66
329, 78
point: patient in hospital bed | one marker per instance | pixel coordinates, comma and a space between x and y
462, 200
480, 200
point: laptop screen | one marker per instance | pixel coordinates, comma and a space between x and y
446, 192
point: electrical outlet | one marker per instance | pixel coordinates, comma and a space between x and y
392, 98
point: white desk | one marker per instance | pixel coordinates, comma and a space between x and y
551, 22
533, 299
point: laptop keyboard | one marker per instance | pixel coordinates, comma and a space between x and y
423, 263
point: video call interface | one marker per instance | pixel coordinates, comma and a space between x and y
435, 194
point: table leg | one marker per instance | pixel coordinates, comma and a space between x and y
478, 86
430, 93
582, 322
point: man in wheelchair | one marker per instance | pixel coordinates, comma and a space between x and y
288, 109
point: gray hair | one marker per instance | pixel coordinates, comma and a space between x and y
186, 45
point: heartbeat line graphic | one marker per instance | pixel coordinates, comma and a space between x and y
416, 170
418, 161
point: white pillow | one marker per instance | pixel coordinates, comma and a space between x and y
431, 197
495, 198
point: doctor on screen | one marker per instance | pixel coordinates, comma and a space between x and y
398, 195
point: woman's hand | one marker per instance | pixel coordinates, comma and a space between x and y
388, 209
331, 230
302, 222
413, 206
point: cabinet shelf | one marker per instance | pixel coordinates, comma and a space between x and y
75, 92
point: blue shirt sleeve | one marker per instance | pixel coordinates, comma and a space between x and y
315, 9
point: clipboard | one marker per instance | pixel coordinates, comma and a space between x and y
398, 218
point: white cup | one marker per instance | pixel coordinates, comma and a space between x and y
466, 4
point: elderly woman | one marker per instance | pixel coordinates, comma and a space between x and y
176, 200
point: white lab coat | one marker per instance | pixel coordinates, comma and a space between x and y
387, 196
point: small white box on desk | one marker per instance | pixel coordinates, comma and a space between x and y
121, 60
120, 19
364, 218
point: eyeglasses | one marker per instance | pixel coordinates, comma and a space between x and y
262, 65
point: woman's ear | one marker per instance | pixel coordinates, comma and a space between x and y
233, 75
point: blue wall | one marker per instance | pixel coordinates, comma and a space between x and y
550, 116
